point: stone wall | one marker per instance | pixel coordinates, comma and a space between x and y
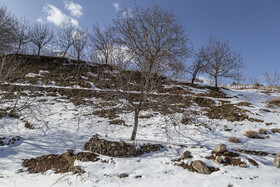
119, 149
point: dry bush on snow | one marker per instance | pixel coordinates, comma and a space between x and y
262, 131
252, 134
234, 140
276, 130
273, 103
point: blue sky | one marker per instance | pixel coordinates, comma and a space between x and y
251, 26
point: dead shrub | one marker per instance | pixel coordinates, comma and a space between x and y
273, 103
146, 116
244, 104
117, 122
234, 140
252, 134
276, 130
262, 131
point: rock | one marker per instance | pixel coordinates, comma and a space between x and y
218, 159
123, 175
200, 167
220, 148
276, 161
186, 154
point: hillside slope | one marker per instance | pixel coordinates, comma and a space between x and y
68, 104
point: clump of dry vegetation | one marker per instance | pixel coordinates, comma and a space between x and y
273, 103
276, 130
252, 134
234, 140
244, 104
262, 131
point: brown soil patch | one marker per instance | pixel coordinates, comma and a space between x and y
58, 163
119, 149
228, 111
244, 104
258, 153
204, 102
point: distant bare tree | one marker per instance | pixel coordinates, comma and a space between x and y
221, 60
22, 34
102, 44
198, 65
41, 35
272, 79
81, 39
7, 28
156, 43
66, 38
239, 77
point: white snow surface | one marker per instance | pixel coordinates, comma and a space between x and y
61, 125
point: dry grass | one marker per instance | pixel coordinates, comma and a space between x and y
276, 130
262, 131
234, 140
117, 122
252, 134
273, 103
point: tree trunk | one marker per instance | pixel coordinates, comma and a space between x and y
136, 116
216, 81
193, 78
39, 51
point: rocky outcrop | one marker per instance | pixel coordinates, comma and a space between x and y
201, 167
119, 149
220, 148
185, 155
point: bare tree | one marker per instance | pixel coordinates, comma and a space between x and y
272, 79
155, 42
22, 34
7, 28
66, 38
198, 65
239, 76
102, 44
41, 36
81, 39
221, 60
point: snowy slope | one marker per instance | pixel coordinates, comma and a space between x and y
60, 125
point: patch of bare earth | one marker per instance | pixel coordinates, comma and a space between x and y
59, 163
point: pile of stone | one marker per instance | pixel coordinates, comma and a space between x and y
221, 155
119, 149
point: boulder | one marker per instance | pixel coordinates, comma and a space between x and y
276, 161
218, 159
201, 167
186, 154
220, 148
123, 175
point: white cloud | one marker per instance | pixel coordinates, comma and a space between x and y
40, 20
116, 6
74, 8
55, 16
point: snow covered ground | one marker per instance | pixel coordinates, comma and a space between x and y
62, 125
